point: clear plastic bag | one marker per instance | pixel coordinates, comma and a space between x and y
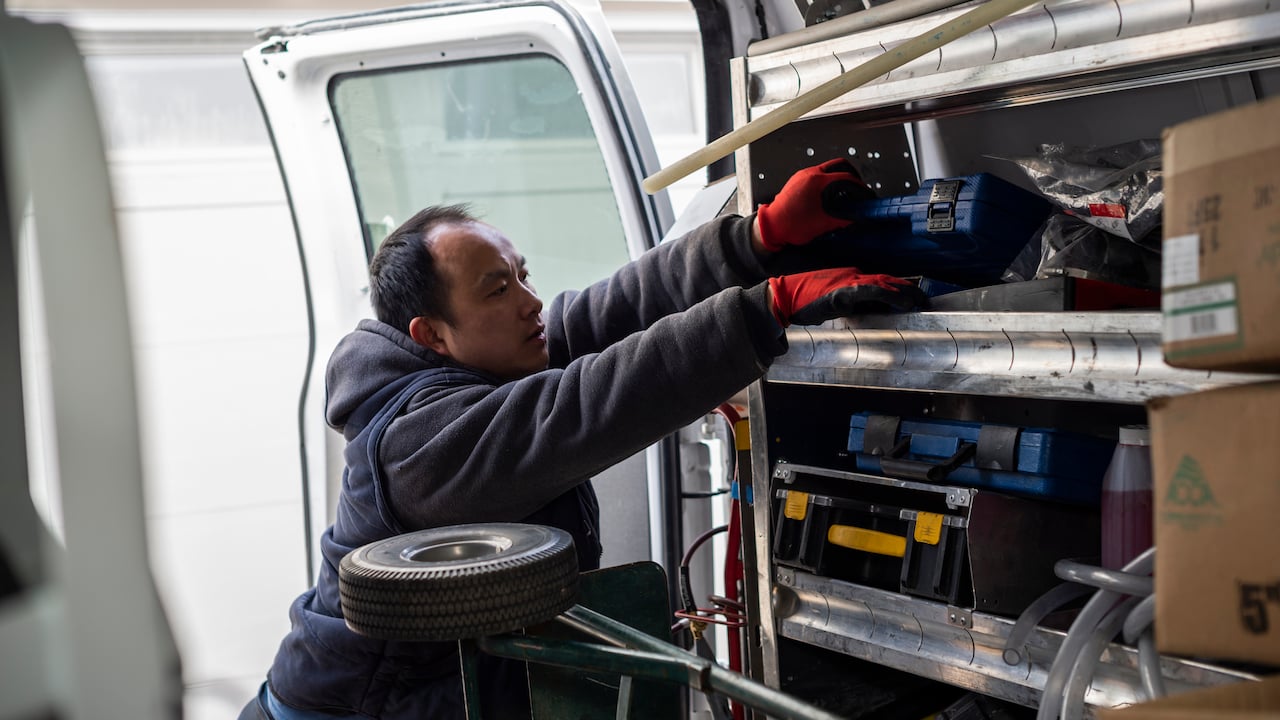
1068, 245
1118, 189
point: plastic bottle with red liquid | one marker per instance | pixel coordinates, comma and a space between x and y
1126, 499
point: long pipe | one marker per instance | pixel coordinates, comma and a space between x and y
855, 77
1137, 629
1104, 578
1149, 666
872, 17
1081, 675
1035, 612
1086, 622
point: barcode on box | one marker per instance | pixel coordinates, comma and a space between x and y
1205, 324
1195, 326
1201, 312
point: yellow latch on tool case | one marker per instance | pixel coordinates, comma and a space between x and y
928, 528
797, 505
872, 541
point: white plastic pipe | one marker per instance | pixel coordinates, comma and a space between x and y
855, 77
1086, 664
1055, 682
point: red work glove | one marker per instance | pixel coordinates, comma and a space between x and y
814, 297
797, 214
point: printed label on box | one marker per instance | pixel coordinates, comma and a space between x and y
1205, 311
1254, 601
1181, 262
1190, 504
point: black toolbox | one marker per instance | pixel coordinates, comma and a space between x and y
967, 547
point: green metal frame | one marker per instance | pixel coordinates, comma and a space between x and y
621, 650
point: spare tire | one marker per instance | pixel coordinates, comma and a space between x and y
462, 581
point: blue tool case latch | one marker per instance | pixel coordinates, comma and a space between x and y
941, 215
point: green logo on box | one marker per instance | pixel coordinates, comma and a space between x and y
1190, 503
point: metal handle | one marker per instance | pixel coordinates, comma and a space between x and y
841, 198
905, 469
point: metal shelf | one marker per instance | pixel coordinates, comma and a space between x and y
959, 647
1041, 54
1095, 356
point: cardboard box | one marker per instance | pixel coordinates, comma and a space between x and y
1237, 701
1221, 252
1216, 496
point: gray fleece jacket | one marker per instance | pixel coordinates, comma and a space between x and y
634, 357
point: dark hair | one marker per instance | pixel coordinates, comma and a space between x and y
404, 282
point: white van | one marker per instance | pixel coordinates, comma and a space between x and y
522, 109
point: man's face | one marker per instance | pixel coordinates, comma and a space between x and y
497, 322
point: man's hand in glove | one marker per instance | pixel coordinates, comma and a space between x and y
814, 297
798, 214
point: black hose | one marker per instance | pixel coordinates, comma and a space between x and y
686, 586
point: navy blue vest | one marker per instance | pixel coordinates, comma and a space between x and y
321, 665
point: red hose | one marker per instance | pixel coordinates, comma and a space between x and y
733, 579
733, 589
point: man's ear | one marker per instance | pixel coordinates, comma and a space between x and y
424, 332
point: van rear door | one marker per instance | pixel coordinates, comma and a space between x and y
520, 109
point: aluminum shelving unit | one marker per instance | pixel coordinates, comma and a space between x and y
1110, 359
1095, 71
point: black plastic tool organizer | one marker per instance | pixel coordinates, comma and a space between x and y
969, 548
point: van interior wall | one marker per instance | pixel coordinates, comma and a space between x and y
216, 300
984, 142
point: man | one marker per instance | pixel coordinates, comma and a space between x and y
480, 407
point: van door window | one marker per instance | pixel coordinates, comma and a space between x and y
511, 137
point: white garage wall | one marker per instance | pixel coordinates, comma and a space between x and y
218, 313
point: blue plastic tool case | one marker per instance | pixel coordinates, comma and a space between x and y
1033, 462
963, 230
